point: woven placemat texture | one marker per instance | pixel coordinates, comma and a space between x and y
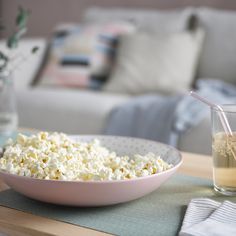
159, 213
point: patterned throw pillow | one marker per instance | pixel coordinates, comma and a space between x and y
82, 56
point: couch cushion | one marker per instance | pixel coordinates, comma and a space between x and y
149, 20
65, 110
218, 58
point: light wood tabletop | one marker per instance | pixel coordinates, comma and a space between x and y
14, 222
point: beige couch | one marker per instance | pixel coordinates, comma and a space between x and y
86, 112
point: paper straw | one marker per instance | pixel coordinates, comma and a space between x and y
223, 118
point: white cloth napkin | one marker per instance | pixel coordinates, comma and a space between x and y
205, 217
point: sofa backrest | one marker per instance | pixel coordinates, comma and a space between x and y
149, 20
218, 57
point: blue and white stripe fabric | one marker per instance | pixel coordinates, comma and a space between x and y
205, 217
190, 111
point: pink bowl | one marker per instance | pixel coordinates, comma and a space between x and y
99, 193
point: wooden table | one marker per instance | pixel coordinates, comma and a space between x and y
14, 222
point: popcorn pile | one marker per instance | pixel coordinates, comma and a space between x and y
58, 157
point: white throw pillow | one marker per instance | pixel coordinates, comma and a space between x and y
164, 63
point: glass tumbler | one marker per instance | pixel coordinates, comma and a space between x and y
224, 151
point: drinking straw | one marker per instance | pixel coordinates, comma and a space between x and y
223, 118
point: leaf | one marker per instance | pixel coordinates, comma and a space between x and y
22, 17
3, 56
3, 60
34, 49
12, 41
21, 32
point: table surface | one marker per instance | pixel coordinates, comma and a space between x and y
14, 222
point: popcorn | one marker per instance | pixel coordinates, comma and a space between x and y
58, 157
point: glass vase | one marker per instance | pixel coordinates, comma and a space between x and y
8, 111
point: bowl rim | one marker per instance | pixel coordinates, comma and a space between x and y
4, 172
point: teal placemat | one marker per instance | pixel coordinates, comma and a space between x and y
159, 213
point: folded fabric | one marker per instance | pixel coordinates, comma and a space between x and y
190, 111
149, 117
165, 118
205, 217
